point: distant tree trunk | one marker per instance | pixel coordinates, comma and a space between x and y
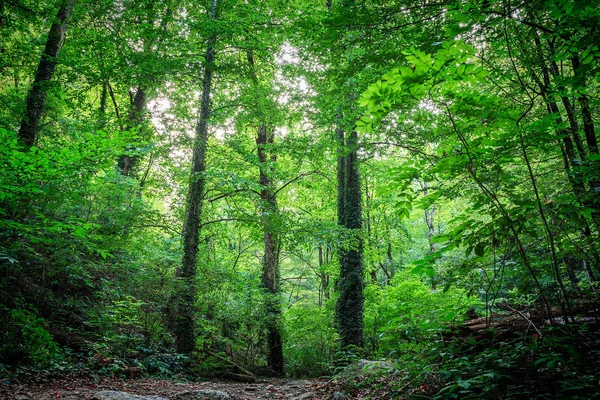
588, 272
390, 262
136, 117
102, 109
374, 266
270, 276
103, 98
36, 98
586, 197
341, 183
341, 189
341, 177
186, 274
324, 277
430, 222
350, 285
269, 214
570, 262
584, 102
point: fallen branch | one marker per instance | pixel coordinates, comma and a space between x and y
230, 361
525, 318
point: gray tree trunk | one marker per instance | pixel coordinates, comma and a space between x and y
270, 276
186, 274
269, 214
430, 222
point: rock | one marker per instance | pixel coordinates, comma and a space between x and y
297, 384
202, 395
21, 397
364, 368
305, 396
338, 396
114, 395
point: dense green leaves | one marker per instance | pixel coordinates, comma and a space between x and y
473, 141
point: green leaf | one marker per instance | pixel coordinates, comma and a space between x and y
464, 384
79, 232
480, 249
449, 316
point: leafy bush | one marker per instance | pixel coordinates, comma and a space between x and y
164, 364
28, 339
310, 339
404, 315
516, 365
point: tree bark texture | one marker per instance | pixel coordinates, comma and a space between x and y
36, 98
269, 214
341, 175
324, 277
186, 295
270, 277
430, 222
350, 304
136, 117
577, 175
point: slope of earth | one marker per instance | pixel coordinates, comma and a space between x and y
85, 389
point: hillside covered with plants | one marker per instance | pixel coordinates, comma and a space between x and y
257, 189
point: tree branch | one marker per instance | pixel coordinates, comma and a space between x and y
292, 181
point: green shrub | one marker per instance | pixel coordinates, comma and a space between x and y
406, 314
310, 339
28, 339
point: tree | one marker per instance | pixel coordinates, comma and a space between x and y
351, 281
269, 220
36, 98
186, 295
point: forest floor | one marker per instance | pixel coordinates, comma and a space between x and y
86, 388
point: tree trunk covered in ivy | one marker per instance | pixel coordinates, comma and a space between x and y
269, 216
137, 111
186, 294
349, 310
341, 178
270, 276
341, 188
36, 98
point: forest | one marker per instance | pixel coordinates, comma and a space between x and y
333, 199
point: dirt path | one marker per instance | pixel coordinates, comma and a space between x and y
85, 388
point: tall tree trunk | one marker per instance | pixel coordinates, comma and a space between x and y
430, 222
270, 276
573, 167
341, 175
269, 214
186, 295
102, 109
36, 98
584, 102
324, 277
136, 115
351, 301
589, 131
570, 263
390, 262
370, 240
